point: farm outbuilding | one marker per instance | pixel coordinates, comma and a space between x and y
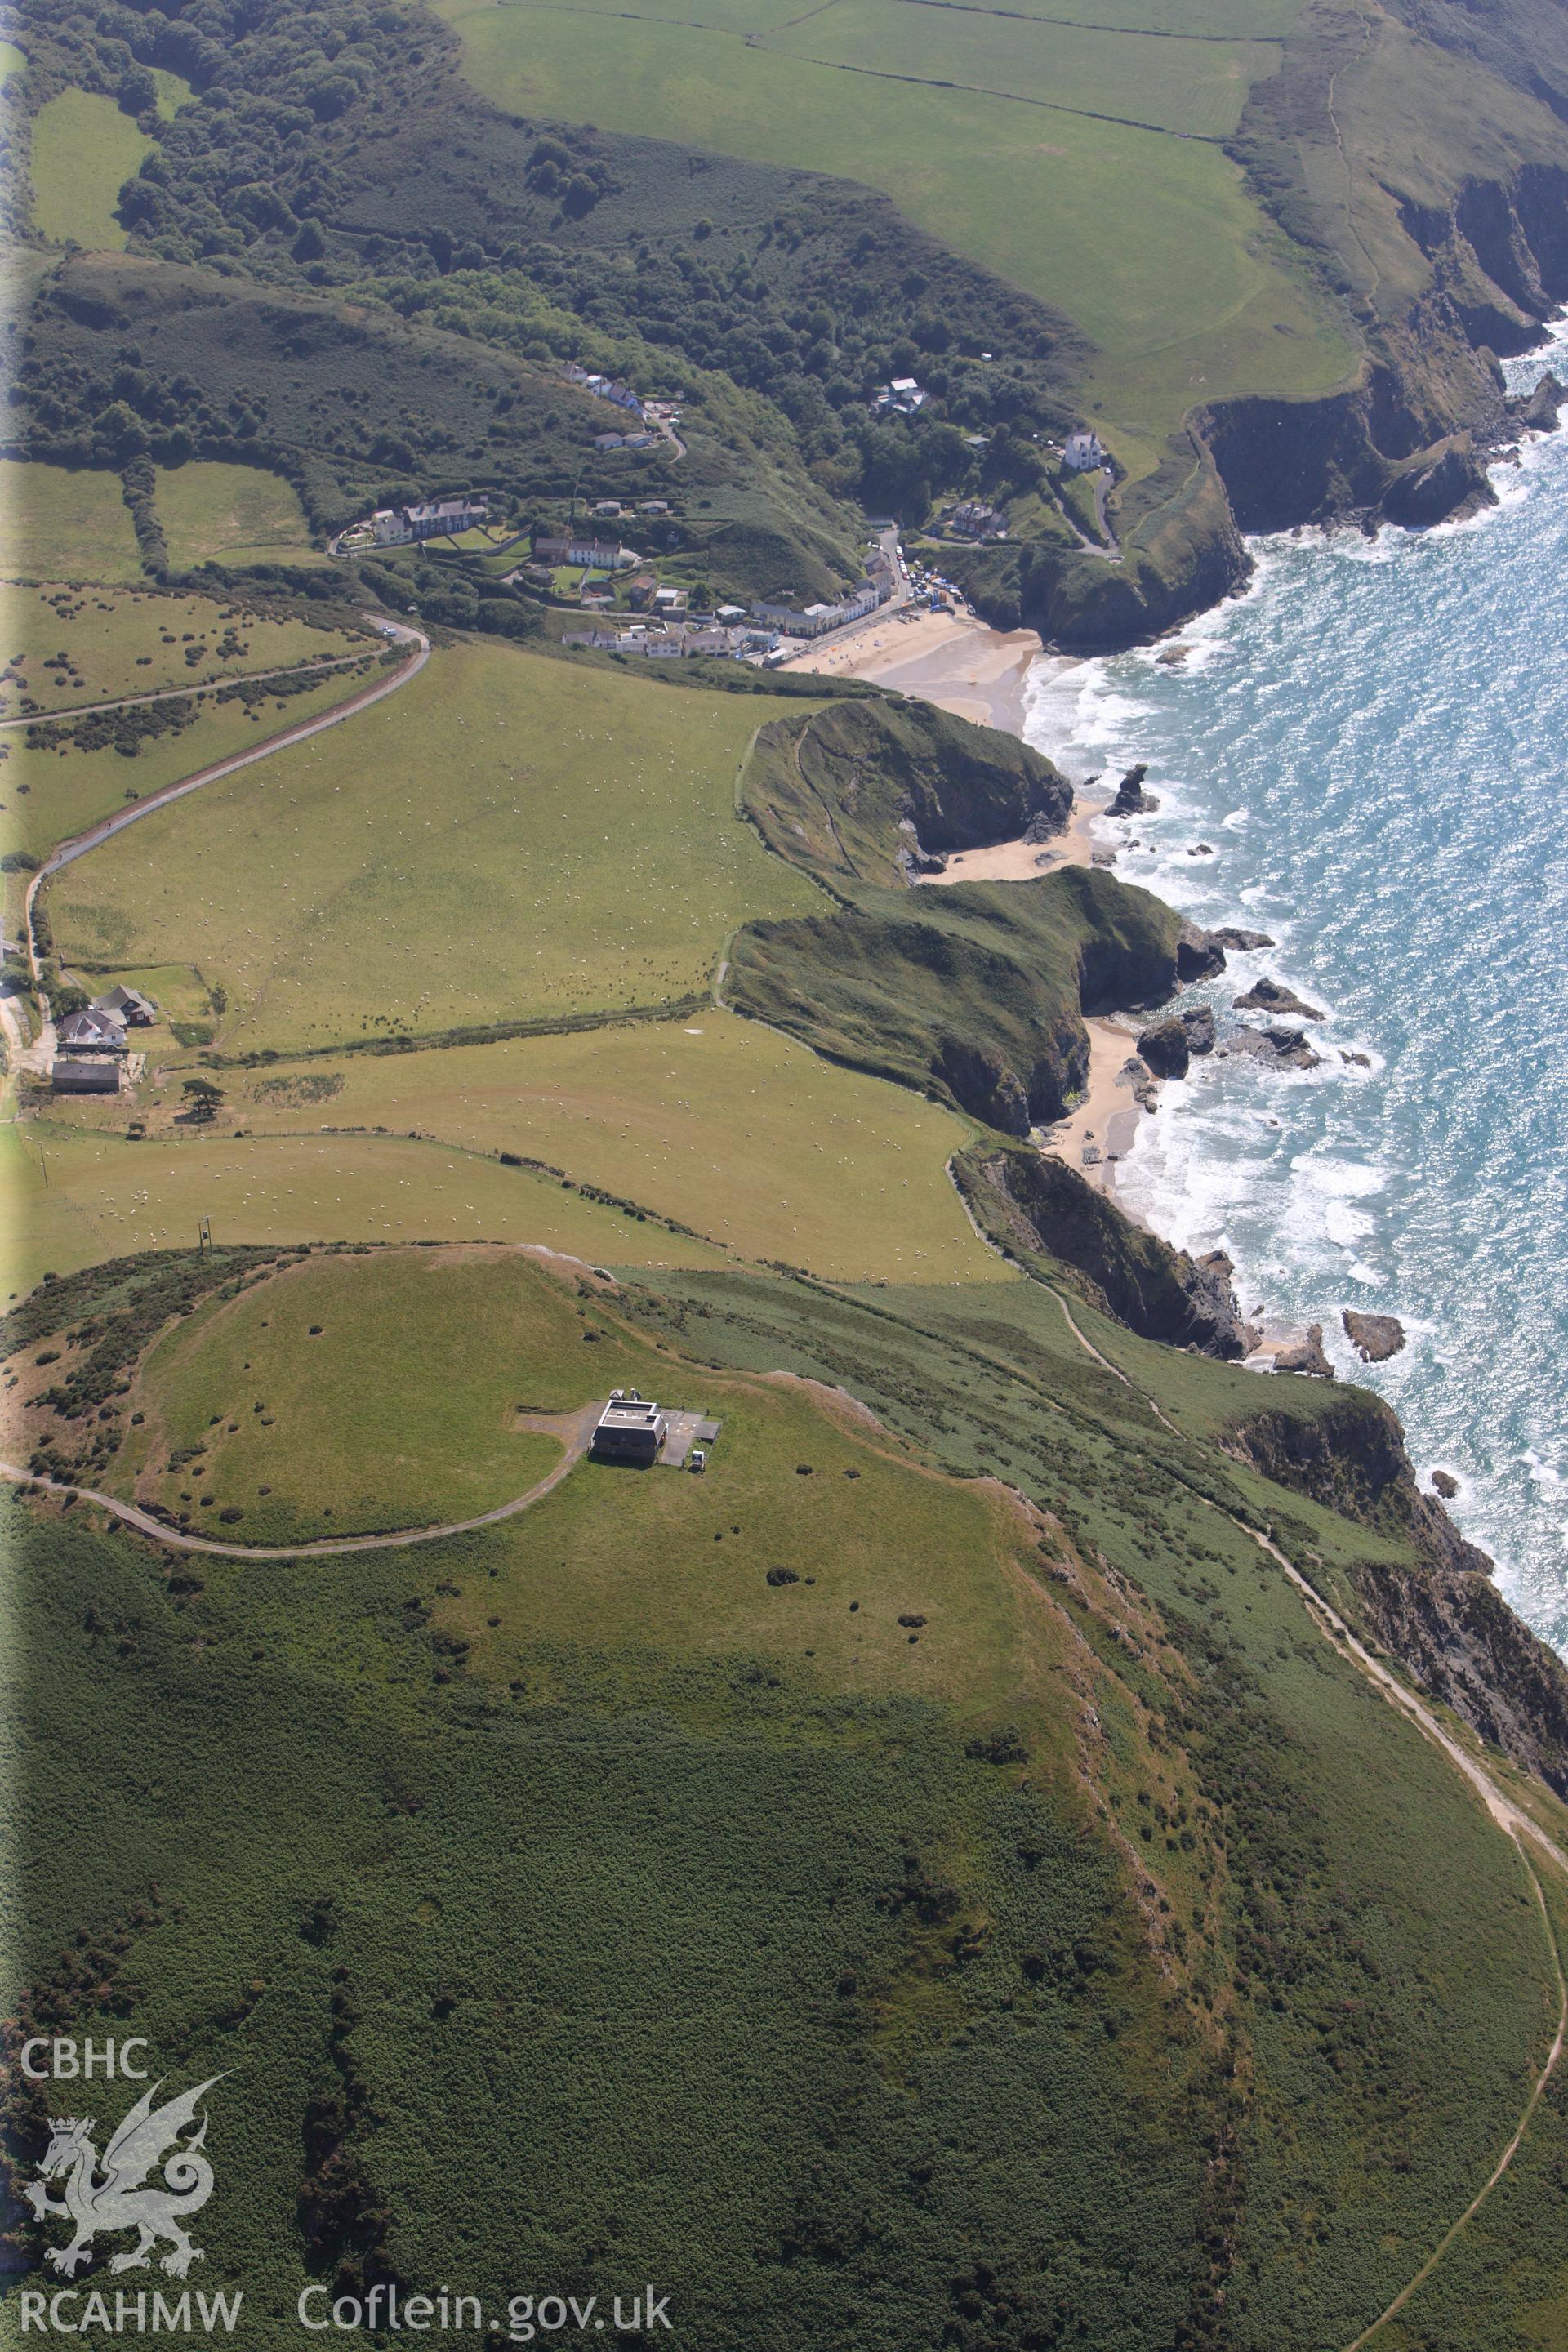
85, 1076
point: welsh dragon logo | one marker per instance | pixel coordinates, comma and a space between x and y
113, 2194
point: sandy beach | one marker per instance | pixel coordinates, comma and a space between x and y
949, 658
1108, 1116
1024, 861
979, 673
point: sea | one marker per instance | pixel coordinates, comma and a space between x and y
1373, 744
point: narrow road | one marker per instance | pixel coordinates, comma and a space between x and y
187, 693
574, 1430
1113, 548
106, 829
300, 733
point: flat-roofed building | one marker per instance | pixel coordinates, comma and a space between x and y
630, 1429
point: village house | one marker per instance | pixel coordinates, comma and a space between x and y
602, 555
639, 592
972, 518
902, 397
402, 526
818, 619
1083, 453
671, 601
603, 388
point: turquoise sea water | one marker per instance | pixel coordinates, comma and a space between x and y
1374, 740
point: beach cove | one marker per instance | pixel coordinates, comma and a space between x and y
1374, 741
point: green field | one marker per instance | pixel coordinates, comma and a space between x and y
47, 796
231, 515
1196, 87
173, 91
344, 1433
84, 148
56, 521
507, 837
79, 1194
141, 643
12, 60
719, 1122
1146, 239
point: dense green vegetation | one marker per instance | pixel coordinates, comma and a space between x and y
1124, 267
1147, 241
917, 2021
416, 1875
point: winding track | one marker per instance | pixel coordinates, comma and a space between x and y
574, 1430
1510, 1817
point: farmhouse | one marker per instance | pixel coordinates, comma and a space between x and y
92, 1033
400, 526
1083, 453
630, 1429
127, 1005
902, 397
